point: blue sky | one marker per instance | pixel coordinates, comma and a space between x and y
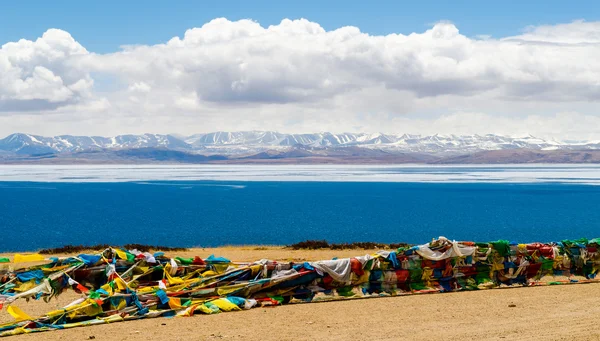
103, 26
451, 67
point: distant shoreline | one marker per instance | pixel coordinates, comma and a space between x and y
371, 157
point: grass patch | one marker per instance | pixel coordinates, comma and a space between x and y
101, 247
323, 244
146, 248
73, 249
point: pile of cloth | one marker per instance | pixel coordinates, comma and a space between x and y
121, 285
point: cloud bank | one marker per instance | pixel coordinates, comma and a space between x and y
298, 77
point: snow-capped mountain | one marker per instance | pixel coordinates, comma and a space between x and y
236, 143
34, 144
434, 144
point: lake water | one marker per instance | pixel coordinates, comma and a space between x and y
49, 206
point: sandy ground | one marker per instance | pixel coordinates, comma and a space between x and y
568, 312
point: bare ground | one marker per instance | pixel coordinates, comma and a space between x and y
567, 312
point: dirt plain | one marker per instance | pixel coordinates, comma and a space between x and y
564, 312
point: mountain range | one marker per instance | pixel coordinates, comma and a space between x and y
269, 146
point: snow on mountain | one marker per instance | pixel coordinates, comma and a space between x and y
235, 138
33, 144
247, 142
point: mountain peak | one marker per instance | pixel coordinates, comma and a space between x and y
244, 142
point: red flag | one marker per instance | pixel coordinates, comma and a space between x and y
82, 288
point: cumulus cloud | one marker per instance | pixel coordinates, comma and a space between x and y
299, 61
297, 76
41, 71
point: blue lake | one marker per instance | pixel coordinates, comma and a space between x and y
44, 214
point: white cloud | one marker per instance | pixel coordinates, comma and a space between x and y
140, 87
298, 61
187, 101
296, 76
42, 70
561, 126
577, 32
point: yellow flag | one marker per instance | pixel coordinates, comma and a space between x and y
205, 310
56, 313
19, 258
120, 284
209, 273
17, 313
106, 287
174, 303
225, 305
91, 308
226, 290
25, 286
172, 280
121, 303
189, 311
121, 254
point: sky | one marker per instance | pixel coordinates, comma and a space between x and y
461, 67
